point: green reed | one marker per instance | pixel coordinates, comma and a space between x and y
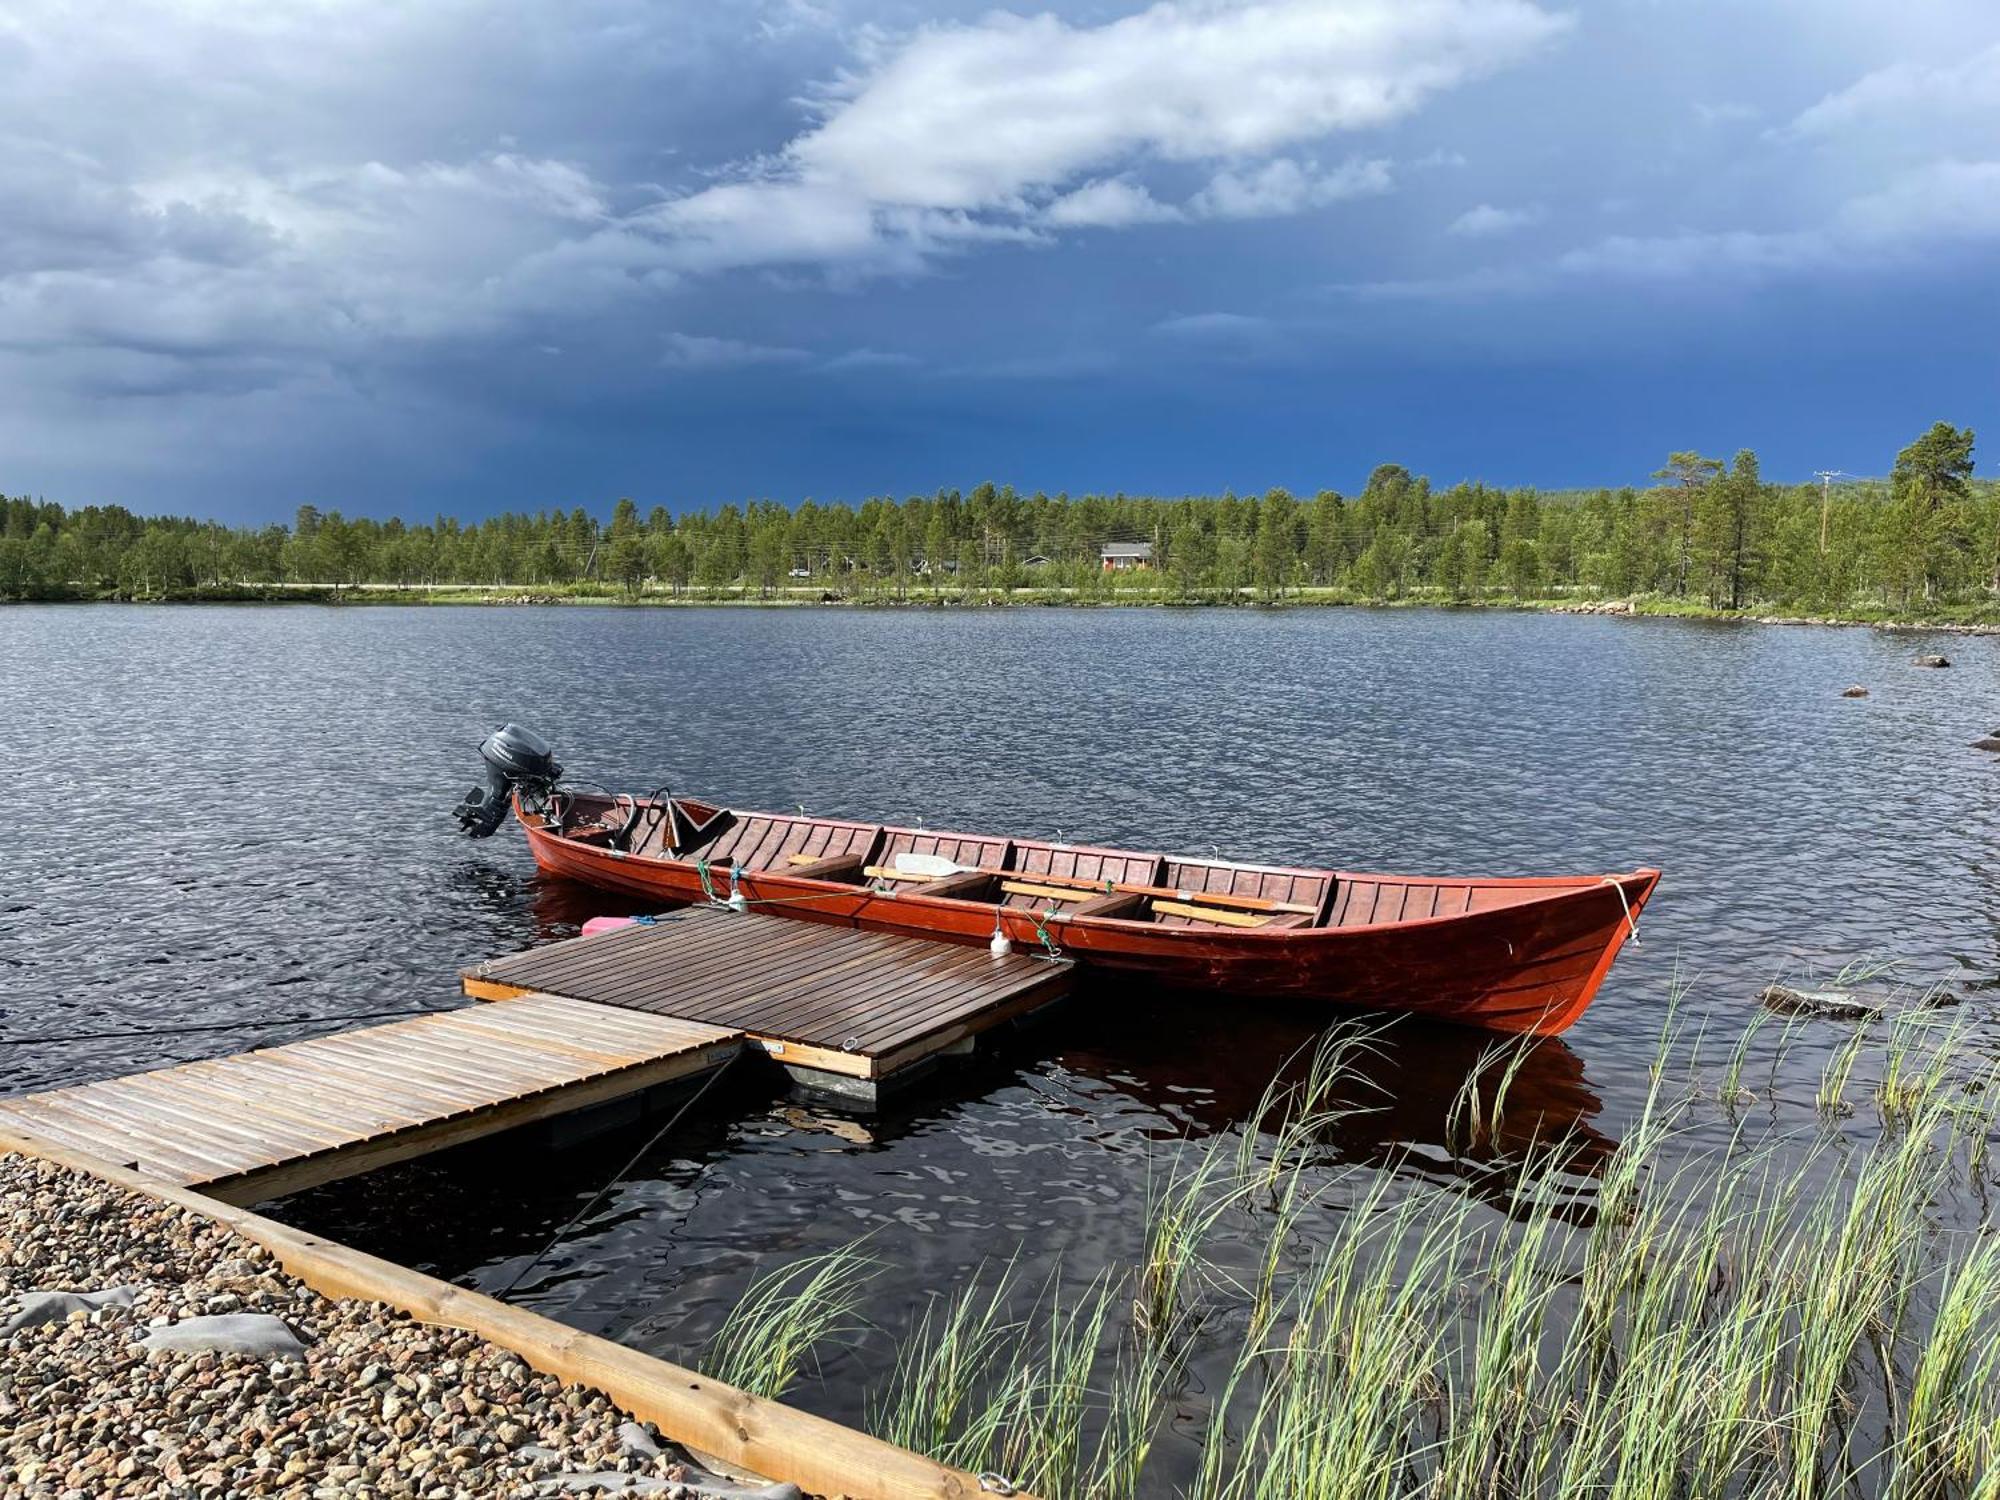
1774, 1306
766, 1341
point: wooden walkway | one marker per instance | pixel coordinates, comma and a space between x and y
576, 1024
817, 997
261, 1124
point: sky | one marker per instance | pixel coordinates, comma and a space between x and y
475, 255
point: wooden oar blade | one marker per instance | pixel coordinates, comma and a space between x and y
934, 866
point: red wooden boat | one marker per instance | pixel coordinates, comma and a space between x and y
1521, 955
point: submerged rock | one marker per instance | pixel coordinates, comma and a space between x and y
1857, 691
1933, 661
1832, 1005
1988, 741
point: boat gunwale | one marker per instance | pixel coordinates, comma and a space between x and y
1557, 887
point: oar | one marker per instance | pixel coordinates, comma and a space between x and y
936, 866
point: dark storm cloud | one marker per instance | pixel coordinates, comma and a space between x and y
240, 240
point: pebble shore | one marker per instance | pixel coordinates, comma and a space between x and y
379, 1404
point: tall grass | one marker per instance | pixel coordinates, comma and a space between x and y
1773, 1307
766, 1341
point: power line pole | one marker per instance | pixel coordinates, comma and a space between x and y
1826, 478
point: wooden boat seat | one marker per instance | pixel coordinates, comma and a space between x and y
841, 867
1267, 882
1099, 866
970, 886
1130, 908
1188, 914
762, 841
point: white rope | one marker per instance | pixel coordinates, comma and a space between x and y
1631, 921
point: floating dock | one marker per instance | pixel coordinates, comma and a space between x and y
575, 1025
262, 1124
843, 1009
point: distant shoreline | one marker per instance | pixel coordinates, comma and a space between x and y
1970, 621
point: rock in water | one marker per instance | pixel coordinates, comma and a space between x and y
1857, 691
1933, 661
36, 1308
257, 1334
1988, 741
1834, 1005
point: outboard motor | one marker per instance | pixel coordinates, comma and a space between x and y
515, 757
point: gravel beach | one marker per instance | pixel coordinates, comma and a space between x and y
377, 1404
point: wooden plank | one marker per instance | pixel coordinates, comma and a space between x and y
155, 1130
113, 1139
337, 1090
185, 1106
295, 1175
821, 992
703, 956
889, 1063
1209, 914
283, 1106
414, 1085
229, 1083
282, 1118
487, 989
110, 1145
1050, 892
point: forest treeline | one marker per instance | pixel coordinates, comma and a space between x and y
1707, 532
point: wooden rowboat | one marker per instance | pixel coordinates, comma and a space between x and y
1520, 955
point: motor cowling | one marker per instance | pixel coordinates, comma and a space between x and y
515, 757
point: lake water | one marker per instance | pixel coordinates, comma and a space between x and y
228, 816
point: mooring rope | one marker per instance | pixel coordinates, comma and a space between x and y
265, 1024
619, 1176
1631, 921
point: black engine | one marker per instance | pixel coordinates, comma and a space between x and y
515, 757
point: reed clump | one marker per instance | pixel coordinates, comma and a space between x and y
1779, 1302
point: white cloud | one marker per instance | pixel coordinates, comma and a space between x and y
965, 117
869, 359
1485, 284
1906, 95
1920, 215
957, 133
693, 351
1284, 186
1108, 203
1485, 221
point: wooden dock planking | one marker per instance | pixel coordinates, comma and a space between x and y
833, 998
261, 1124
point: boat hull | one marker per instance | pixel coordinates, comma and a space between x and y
1530, 963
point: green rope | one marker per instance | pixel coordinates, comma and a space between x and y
1042, 932
707, 885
